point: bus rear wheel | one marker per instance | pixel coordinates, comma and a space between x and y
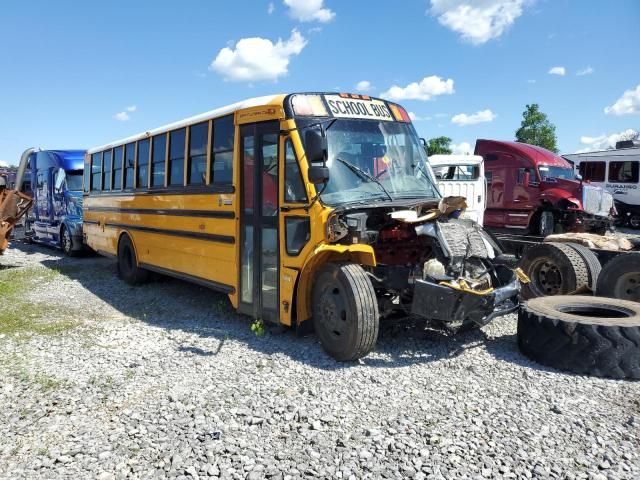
128, 269
345, 311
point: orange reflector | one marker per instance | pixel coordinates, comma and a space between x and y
399, 113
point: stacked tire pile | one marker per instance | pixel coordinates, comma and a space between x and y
591, 335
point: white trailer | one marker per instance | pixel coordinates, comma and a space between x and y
462, 175
617, 171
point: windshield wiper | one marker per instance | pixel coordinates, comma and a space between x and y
362, 174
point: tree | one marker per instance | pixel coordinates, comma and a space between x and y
439, 145
536, 129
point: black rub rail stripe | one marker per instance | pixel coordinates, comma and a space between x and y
211, 237
221, 287
170, 212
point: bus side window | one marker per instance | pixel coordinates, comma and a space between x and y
293, 185
129, 162
197, 169
106, 170
176, 157
222, 150
96, 171
118, 156
142, 167
157, 168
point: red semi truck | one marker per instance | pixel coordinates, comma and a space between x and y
531, 190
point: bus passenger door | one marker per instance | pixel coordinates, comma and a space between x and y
259, 272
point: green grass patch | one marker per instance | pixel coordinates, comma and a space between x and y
14, 366
20, 316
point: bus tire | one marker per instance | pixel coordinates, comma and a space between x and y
345, 311
591, 261
66, 242
582, 334
554, 269
128, 269
620, 278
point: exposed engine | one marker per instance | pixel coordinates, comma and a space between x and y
420, 253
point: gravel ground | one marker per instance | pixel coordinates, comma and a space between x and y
165, 380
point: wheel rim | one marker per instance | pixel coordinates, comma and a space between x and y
546, 278
66, 241
333, 311
628, 287
634, 221
546, 223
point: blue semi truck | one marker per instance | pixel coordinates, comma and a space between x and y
56, 181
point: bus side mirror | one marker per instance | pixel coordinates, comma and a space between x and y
578, 177
526, 179
318, 174
315, 145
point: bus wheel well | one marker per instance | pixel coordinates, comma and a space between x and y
302, 293
128, 265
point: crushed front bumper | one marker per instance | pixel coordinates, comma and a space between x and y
440, 302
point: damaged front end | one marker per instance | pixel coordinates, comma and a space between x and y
431, 264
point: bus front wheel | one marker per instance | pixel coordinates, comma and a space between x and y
128, 269
345, 311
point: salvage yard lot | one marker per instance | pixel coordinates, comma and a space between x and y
103, 380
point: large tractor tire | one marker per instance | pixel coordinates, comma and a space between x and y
582, 334
620, 278
345, 311
554, 269
591, 261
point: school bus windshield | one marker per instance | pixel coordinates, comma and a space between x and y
375, 160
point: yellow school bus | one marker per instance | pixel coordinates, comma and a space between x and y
306, 209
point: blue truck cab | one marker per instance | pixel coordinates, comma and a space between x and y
56, 216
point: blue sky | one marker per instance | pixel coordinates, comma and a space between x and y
80, 74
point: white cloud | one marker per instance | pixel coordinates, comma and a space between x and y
462, 148
309, 11
271, 8
462, 119
363, 86
604, 142
477, 21
122, 116
557, 71
258, 58
628, 103
584, 71
417, 118
3, 164
426, 89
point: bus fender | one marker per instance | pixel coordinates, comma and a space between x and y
360, 254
